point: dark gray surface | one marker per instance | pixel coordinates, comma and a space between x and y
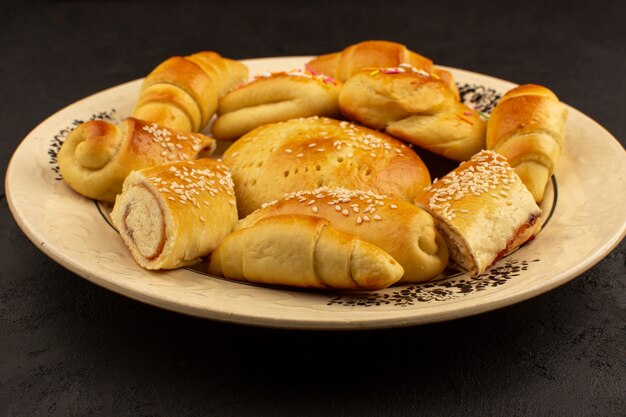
68, 347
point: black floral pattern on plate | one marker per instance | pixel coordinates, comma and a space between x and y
436, 291
479, 97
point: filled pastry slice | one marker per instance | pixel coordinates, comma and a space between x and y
483, 210
171, 215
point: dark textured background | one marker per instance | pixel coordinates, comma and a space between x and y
68, 347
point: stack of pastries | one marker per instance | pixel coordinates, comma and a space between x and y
321, 184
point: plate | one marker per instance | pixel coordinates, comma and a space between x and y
586, 199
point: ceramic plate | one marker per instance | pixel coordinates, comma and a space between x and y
585, 201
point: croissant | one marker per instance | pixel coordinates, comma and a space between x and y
276, 97
172, 215
182, 92
375, 54
483, 210
410, 104
304, 154
401, 229
527, 126
97, 155
303, 251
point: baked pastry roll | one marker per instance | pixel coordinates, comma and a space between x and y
527, 126
275, 97
182, 92
483, 210
401, 229
171, 215
412, 105
375, 54
304, 154
303, 251
96, 156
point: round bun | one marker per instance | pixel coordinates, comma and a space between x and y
304, 154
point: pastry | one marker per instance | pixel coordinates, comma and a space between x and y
308, 153
303, 251
401, 229
97, 155
375, 54
275, 97
483, 210
527, 126
414, 106
172, 215
182, 92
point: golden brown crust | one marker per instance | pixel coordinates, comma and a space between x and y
325, 64
483, 210
401, 229
375, 54
528, 128
273, 98
97, 155
182, 92
173, 214
303, 251
304, 154
412, 105
225, 73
